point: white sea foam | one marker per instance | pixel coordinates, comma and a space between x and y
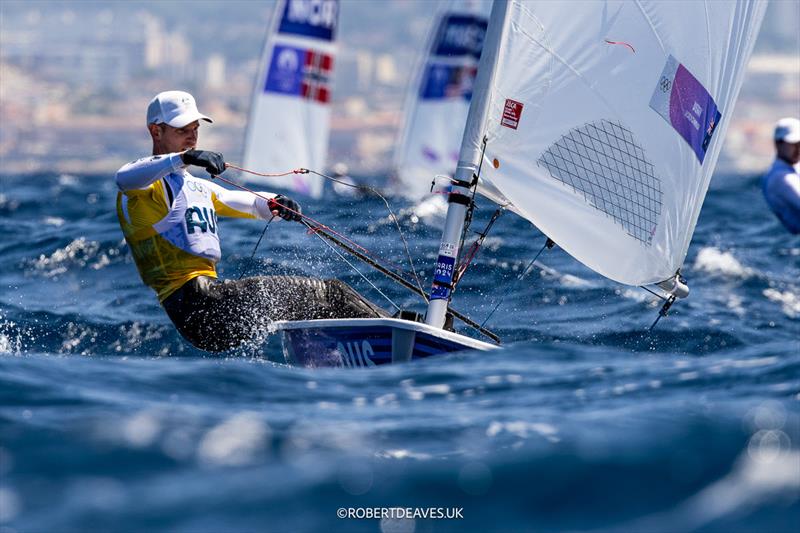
635, 295
236, 441
68, 180
434, 206
130, 336
522, 429
10, 338
8, 204
568, 280
790, 301
418, 393
78, 252
141, 429
404, 454
714, 261
734, 303
54, 221
386, 399
492, 244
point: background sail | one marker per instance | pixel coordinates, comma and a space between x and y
605, 121
290, 112
437, 106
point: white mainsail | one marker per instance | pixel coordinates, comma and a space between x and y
604, 121
290, 112
439, 96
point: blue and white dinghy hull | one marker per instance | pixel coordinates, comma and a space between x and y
366, 342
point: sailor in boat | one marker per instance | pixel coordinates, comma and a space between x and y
781, 184
169, 219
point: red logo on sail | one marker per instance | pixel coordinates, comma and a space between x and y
317, 73
512, 113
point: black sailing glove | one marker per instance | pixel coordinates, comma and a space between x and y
284, 207
213, 162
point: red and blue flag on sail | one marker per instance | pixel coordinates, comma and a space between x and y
302, 72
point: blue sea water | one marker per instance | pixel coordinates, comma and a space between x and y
109, 421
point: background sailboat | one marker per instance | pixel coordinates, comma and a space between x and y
438, 99
289, 118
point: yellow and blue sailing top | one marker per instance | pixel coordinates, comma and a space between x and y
169, 219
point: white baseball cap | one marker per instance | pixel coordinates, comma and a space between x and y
175, 108
788, 130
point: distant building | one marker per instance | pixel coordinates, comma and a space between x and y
215, 72
386, 70
167, 53
365, 65
154, 45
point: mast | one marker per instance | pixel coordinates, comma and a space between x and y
468, 161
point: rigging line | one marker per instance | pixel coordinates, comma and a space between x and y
266, 175
402, 281
340, 182
320, 224
394, 219
462, 268
519, 278
343, 258
654, 293
263, 232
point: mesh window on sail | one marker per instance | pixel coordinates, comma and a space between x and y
602, 163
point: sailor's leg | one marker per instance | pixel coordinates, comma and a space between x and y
204, 318
302, 298
219, 315
345, 302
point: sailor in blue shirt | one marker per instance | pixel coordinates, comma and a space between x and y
781, 185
